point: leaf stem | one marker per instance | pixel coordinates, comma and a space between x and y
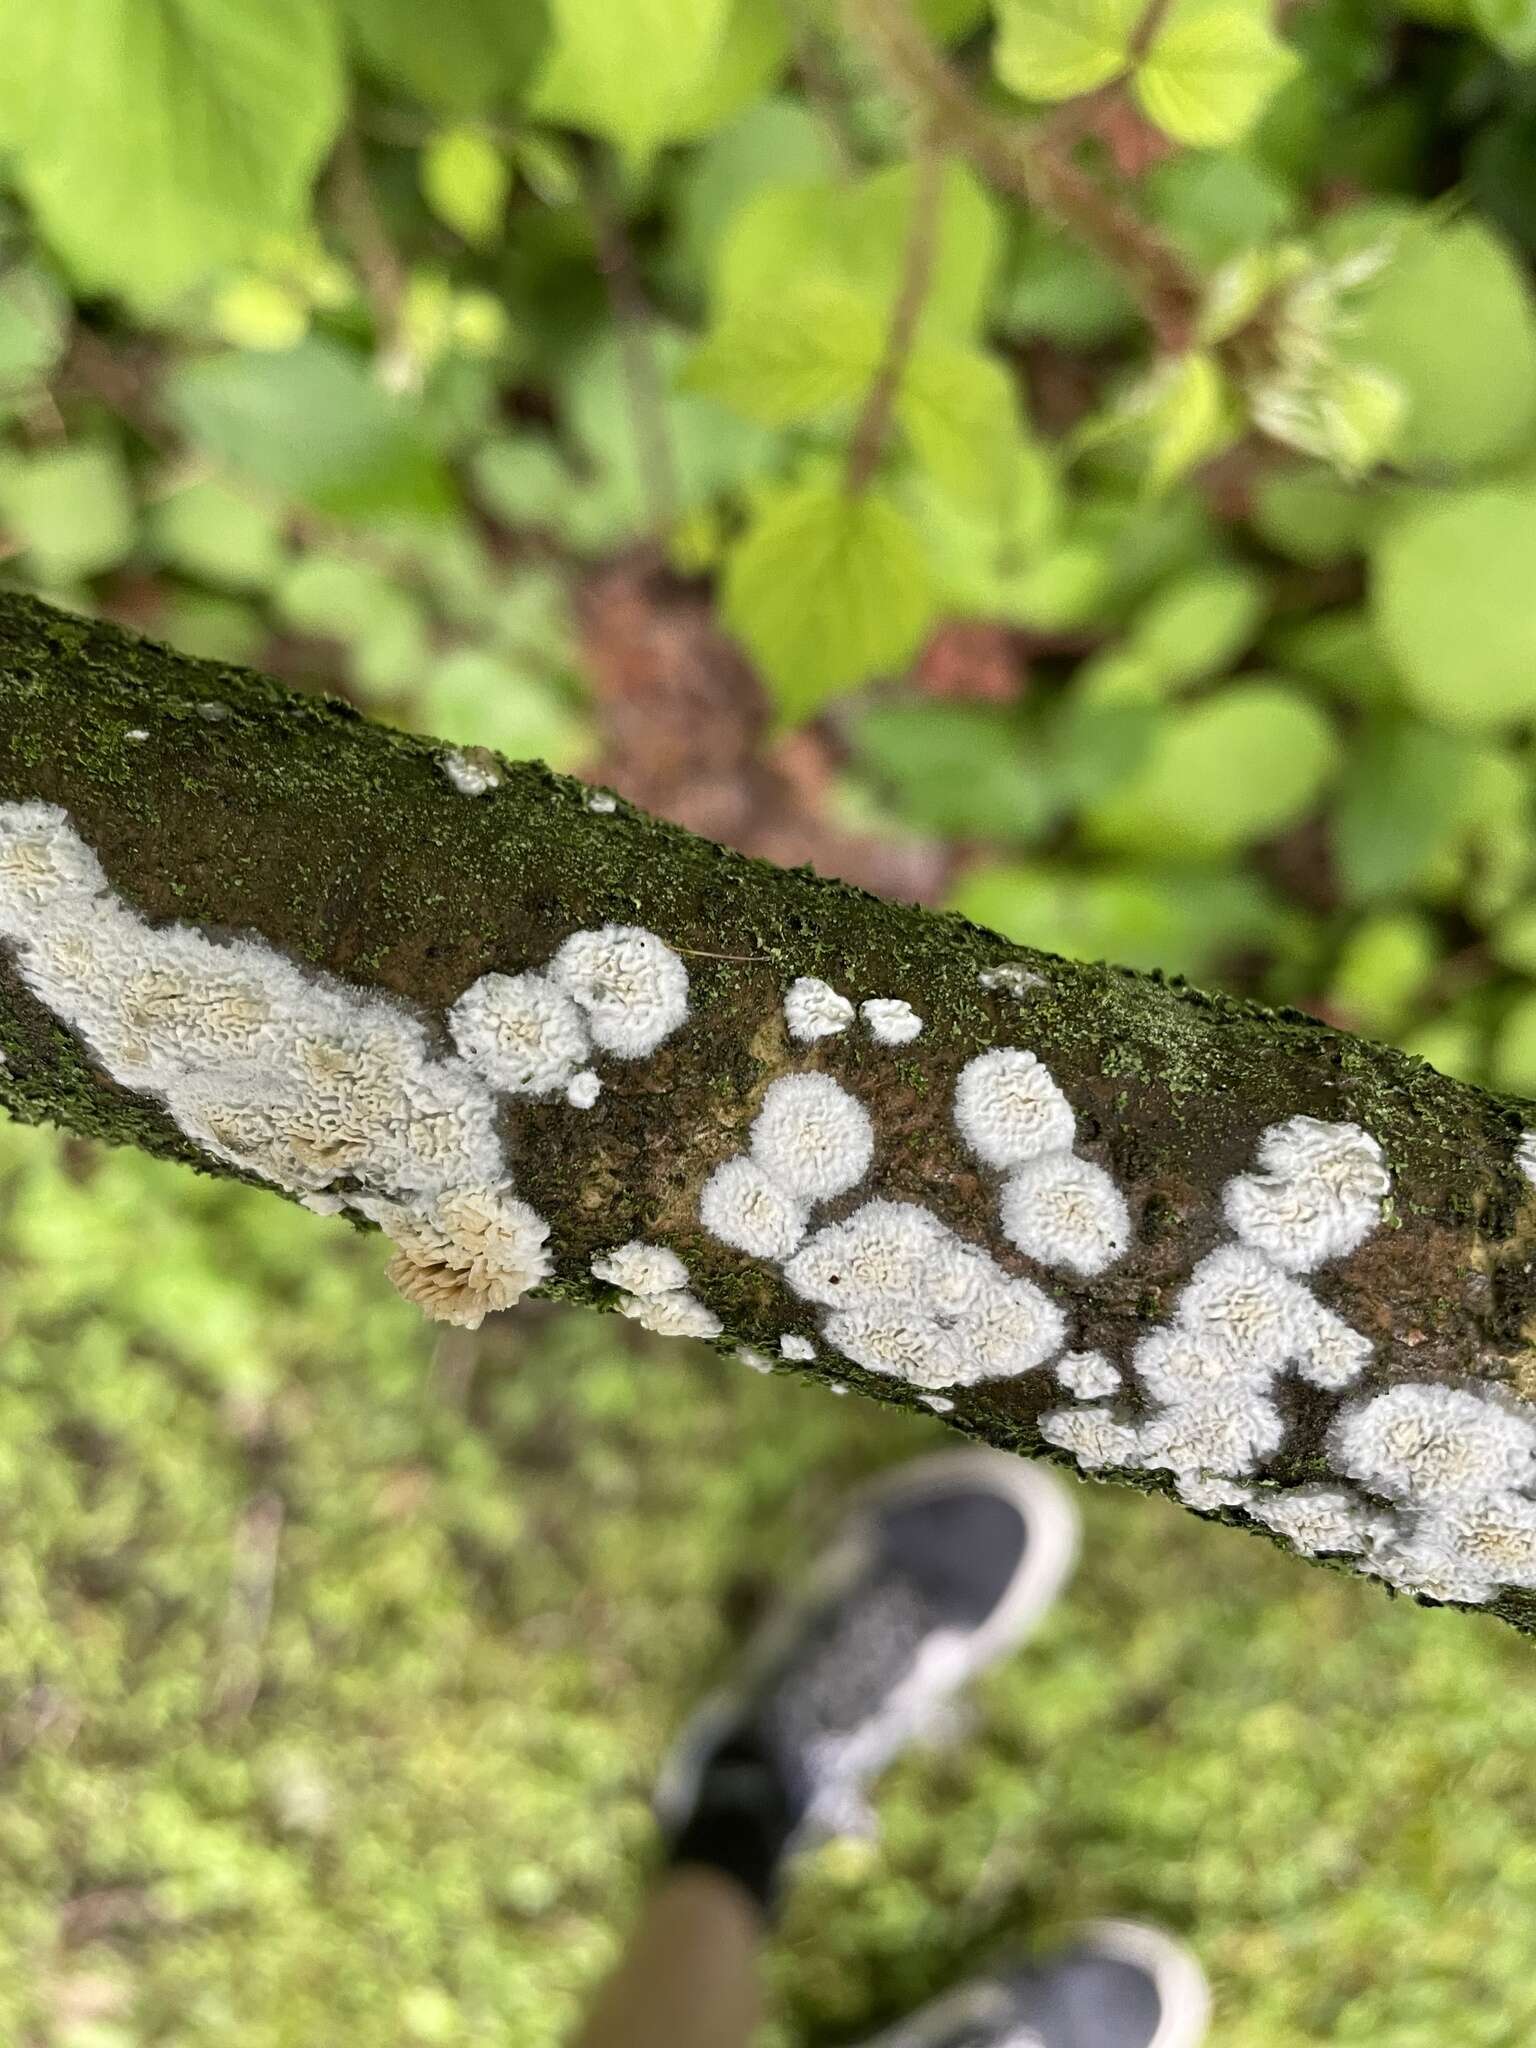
874, 422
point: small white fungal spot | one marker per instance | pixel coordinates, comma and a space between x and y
1065, 1211
629, 984
599, 800
753, 1360
939, 1403
1009, 1110
322, 1205
1246, 1310
1094, 1436
898, 1342
641, 1268
813, 1010
1010, 978
836, 1387
746, 1208
582, 1091
1197, 1490
1225, 1433
890, 1021
1088, 1374
463, 1255
523, 1033
1332, 1355
797, 1347
1321, 1519
471, 770
1525, 1155
1434, 1446
675, 1314
812, 1136
136, 732
1318, 1194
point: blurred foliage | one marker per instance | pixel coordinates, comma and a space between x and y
359, 346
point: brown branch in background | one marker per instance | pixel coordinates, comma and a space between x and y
382, 274
826, 93
1035, 164
633, 320
918, 258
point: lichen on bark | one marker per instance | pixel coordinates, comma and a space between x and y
249, 810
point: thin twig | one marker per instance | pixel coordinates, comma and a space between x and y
642, 374
1036, 164
379, 266
918, 258
825, 92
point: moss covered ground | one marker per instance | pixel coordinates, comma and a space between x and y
335, 1660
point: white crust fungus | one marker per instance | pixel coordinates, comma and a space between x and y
800, 1348
1010, 978
463, 1255
1088, 1374
1318, 1195
899, 1342
471, 770
583, 1089
812, 1136
1096, 1437
1435, 1446
1318, 1520
746, 1208
752, 1359
674, 1314
1009, 1110
938, 1403
1197, 1490
1224, 1434
880, 1254
523, 1033
630, 986
1065, 1211
602, 802
640, 1268
890, 1021
1525, 1155
813, 1009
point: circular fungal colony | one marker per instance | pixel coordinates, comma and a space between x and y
339, 1097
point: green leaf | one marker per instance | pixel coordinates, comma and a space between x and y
1232, 768
470, 57
1182, 415
1341, 650
312, 425
754, 48
1056, 49
1218, 207
70, 509
464, 179
1510, 25
1210, 72
1451, 319
855, 234
1059, 290
790, 358
1454, 599
629, 73
478, 699
1513, 941
158, 139
1185, 922
1198, 625
1400, 805
960, 410
826, 591
33, 319
1514, 1049
1382, 970
957, 769
1312, 517
776, 143
211, 530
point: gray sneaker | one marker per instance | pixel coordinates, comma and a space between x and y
938, 1569
1118, 1985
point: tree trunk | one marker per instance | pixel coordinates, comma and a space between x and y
217, 799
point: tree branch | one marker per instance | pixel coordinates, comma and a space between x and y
217, 801
874, 422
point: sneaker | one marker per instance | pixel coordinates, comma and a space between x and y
938, 1569
1118, 1985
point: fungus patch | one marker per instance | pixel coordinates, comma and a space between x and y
745, 1207
752, 1359
939, 1403
1065, 1211
814, 1010
1525, 1155
523, 1033
583, 1089
1207, 1495
471, 770
1010, 978
1318, 1193
629, 985
1095, 1436
673, 1314
1435, 1446
800, 1348
1009, 1110
813, 1137
602, 802
1088, 1374
640, 1268
1319, 1520
890, 1021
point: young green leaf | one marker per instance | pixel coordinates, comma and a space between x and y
1056, 49
69, 509
790, 358
628, 73
1212, 68
1455, 602
158, 139
960, 410
469, 58
826, 591
1510, 25
465, 179
213, 531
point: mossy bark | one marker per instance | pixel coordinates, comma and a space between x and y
250, 809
